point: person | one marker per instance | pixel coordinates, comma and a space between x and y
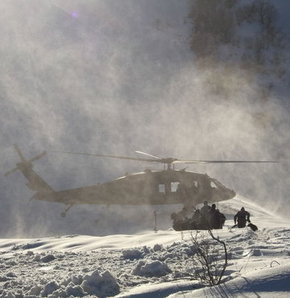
204, 211
216, 218
180, 219
196, 219
242, 217
222, 219
212, 217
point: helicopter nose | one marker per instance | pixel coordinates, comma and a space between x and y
230, 194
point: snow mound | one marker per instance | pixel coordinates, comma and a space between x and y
49, 288
132, 254
150, 269
101, 285
270, 282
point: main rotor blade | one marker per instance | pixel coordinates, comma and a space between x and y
110, 156
224, 161
11, 171
37, 156
19, 153
167, 160
147, 154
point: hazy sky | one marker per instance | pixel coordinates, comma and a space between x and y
113, 77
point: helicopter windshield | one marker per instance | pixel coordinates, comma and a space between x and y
213, 184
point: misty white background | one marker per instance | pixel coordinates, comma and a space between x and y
112, 77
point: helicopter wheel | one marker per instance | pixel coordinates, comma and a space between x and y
63, 214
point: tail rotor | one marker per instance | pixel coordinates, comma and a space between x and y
11, 171
24, 162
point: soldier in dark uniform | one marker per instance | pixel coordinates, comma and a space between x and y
212, 216
204, 222
222, 219
242, 217
216, 218
196, 219
205, 209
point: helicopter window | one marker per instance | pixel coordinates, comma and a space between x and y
174, 186
213, 185
161, 188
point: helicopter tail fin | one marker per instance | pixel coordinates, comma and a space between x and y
35, 182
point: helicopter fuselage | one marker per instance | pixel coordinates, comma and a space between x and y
146, 188
164, 187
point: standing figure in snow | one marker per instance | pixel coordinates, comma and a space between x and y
205, 209
204, 223
242, 217
215, 218
212, 218
222, 219
196, 219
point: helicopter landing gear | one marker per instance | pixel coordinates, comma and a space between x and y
155, 221
63, 214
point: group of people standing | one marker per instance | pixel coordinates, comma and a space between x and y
208, 217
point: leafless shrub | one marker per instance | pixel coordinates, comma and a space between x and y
210, 260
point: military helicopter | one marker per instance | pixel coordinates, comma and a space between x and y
167, 186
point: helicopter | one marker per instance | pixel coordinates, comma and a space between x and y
150, 187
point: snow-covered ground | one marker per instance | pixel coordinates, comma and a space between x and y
149, 264
112, 77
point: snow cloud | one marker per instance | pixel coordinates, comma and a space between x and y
110, 77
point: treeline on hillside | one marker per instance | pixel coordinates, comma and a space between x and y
234, 30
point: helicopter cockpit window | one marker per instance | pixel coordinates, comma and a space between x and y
213, 185
174, 186
161, 188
